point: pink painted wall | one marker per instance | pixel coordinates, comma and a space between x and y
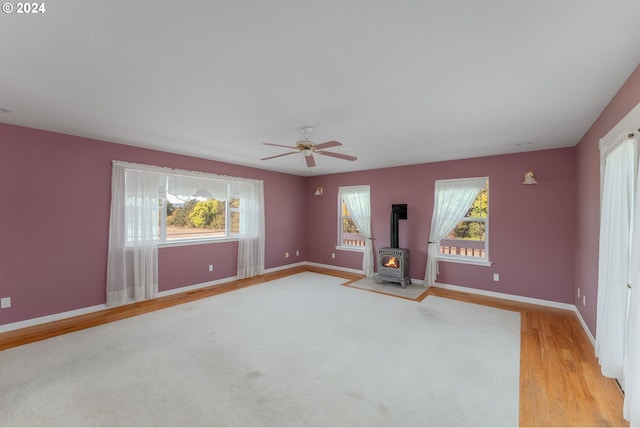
588, 196
532, 233
55, 192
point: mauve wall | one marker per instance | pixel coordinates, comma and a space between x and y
588, 200
55, 192
531, 227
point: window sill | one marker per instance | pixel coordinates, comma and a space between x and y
187, 242
346, 248
466, 261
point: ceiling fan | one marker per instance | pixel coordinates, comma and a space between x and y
308, 148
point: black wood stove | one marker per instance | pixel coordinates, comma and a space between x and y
393, 262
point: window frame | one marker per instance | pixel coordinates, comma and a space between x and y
228, 236
162, 240
340, 242
472, 260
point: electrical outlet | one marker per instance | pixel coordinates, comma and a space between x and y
297, 253
578, 291
5, 302
286, 255
496, 277
584, 300
210, 268
333, 255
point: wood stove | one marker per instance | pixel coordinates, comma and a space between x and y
393, 262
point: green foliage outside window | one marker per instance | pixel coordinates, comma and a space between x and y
208, 213
469, 229
198, 214
348, 225
180, 216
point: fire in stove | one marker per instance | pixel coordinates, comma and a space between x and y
391, 262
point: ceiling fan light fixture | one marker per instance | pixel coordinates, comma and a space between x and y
308, 148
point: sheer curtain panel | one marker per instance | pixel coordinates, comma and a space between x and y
251, 236
132, 265
357, 199
452, 200
196, 186
618, 308
137, 222
614, 253
632, 350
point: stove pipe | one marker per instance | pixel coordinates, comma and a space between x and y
398, 212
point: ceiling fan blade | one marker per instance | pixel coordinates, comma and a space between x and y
311, 162
328, 144
277, 156
279, 145
339, 156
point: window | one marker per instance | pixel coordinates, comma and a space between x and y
468, 240
189, 208
151, 205
349, 236
200, 217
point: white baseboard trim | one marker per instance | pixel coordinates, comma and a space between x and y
195, 286
531, 300
283, 267
50, 318
340, 268
83, 311
505, 296
585, 328
222, 280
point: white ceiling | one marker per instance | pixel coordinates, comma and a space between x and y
397, 81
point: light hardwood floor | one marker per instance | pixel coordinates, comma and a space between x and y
560, 380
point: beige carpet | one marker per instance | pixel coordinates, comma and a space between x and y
411, 291
298, 351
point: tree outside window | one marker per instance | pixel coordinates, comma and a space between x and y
470, 236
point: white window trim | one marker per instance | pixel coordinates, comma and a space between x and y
195, 241
471, 260
350, 248
339, 245
467, 260
163, 242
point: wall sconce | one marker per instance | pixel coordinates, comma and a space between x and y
529, 178
319, 191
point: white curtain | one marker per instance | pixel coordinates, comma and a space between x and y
632, 350
136, 215
614, 253
618, 309
193, 185
452, 200
132, 266
357, 199
251, 236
